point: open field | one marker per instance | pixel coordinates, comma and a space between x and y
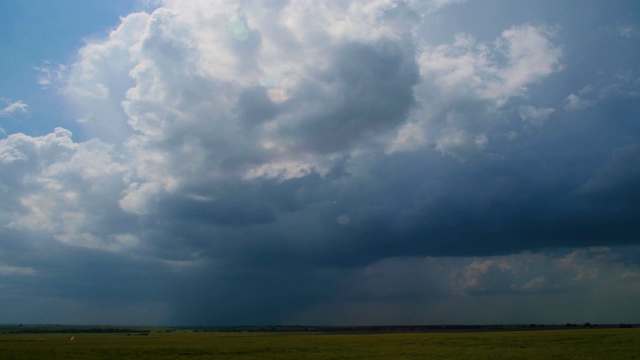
539, 344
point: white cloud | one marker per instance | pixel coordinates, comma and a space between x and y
463, 65
575, 102
411, 136
281, 171
437, 4
9, 270
534, 115
459, 142
533, 284
471, 277
452, 140
96, 84
190, 100
531, 56
187, 101
137, 197
51, 74
469, 67
465, 86
59, 187
14, 107
431, 285
542, 273
201, 97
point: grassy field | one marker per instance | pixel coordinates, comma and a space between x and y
541, 344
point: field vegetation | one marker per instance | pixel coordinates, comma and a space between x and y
189, 344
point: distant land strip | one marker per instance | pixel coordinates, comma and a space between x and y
42, 329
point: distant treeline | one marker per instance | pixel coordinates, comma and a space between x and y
73, 330
45, 329
392, 328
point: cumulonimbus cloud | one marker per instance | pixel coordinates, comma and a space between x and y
304, 136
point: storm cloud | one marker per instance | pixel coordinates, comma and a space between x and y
329, 162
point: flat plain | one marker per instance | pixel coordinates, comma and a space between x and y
183, 344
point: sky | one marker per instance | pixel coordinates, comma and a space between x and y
326, 162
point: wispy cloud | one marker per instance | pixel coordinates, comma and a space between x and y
51, 74
8, 270
17, 107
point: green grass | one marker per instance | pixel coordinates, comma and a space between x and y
548, 344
